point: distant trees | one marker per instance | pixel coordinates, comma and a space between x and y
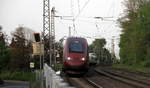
103, 55
20, 50
97, 46
16, 55
4, 51
135, 38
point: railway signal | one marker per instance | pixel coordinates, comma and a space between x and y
38, 48
37, 37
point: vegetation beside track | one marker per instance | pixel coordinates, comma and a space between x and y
132, 67
22, 76
135, 37
57, 67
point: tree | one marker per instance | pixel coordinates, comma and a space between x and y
100, 51
4, 52
20, 50
135, 40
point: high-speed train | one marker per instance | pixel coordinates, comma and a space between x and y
75, 55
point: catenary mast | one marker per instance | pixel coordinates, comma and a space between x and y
46, 30
52, 33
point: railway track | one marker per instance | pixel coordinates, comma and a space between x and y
135, 82
107, 78
99, 81
133, 72
82, 82
95, 85
94, 80
145, 79
78, 82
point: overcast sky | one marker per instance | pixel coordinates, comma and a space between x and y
29, 13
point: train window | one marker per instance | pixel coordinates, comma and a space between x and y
76, 47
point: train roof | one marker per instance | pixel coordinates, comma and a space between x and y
72, 38
69, 39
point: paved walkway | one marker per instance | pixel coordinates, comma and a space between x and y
15, 84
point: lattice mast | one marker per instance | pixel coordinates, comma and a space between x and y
53, 34
113, 47
46, 30
113, 50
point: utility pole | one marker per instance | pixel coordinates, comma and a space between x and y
113, 45
73, 20
113, 50
52, 33
69, 31
46, 30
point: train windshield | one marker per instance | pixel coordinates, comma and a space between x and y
76, 47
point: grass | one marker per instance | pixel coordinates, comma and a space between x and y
58, 67
134, 67
22, 76
31, 77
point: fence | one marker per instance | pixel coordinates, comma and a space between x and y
52, 80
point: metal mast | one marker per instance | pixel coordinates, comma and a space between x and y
46, 29
113, 50
113, 47
52, 33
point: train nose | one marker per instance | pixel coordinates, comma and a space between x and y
80, 59
83, 59
75, 62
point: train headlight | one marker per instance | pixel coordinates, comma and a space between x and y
83, 59
68, 58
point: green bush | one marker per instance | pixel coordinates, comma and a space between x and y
135, 37
146, 64
133, 67
23, 76
57, 67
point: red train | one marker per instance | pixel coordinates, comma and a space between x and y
75, 55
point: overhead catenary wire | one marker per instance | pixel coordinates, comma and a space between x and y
102, 25
82, 9
79, 6
73, 20
102, 18
63, 24
72, 9
111, 9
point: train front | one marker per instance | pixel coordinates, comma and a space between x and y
76, 55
